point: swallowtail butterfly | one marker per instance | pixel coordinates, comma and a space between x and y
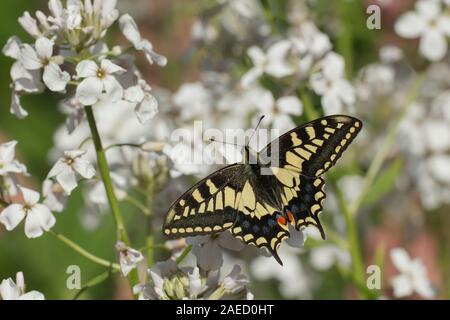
258, 208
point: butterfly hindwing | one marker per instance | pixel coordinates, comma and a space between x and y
259, 210
208, 207
305, 202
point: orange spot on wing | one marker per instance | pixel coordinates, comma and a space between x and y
290, 216
282, 220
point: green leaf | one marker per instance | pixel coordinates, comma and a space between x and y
383, 183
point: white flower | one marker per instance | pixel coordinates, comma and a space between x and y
131, 32
193, 100
24, 81
82, 22
7, 162
146, 104
412, 277
97, 80
203, 31
171, 282
97, 193
128, 257
274, 62
67, 19
75, 113
16, 291
265, 269
325, 256
38, 218
390, 54
29, 24
208, 249
41, 57
279, 112
64, 170
235, 281
431, 24
352, 186
54, 195
330, 83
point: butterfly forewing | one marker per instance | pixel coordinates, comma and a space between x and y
313, 148
208, 207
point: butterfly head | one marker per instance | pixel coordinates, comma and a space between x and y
250, 156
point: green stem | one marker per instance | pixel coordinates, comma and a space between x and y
138, 205
106, 177
112, 199
183, 254
93, 282
386, 146
118, 145
3, 203
345, 39
310, 111
353, 243
150, 241
90, 256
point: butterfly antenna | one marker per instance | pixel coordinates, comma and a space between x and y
254, 131
230, 143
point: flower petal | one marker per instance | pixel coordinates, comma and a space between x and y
9, 290
290, 105
11, 216
84, 168
410, 25
134, 94
46, 218
257, 55
331, 104
86, 68
16, 107
109, 68
113, 88
55, 79
433, 45
130, 29
333, 66
30, 197
29, 58
67, 180
89, 91
400, 259
7, 151
57, 168
147, 109
209, 255
151, 55
402, 286
12, 47
318, 83
33, 225
428, 9
44, 48
32, 295
250, 76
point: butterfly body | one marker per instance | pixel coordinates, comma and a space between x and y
281, 186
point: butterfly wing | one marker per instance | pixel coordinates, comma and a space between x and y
209, 206
313, 148
301, 156
258, 215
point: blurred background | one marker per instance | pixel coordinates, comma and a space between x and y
206, 40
